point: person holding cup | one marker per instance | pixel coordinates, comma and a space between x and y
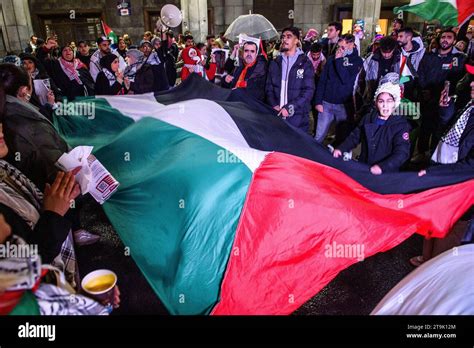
29, 216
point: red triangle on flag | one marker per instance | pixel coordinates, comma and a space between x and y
465, 11
106, 28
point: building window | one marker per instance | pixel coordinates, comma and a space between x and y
86, 27
274, 11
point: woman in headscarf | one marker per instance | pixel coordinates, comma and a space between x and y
111, 80
139, 73
70, 75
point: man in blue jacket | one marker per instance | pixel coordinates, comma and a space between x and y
290, 82
334, 95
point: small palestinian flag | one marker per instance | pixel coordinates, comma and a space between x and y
448, 12
109, 33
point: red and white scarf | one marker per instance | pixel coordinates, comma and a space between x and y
70, 69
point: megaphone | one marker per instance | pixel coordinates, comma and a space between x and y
171, 16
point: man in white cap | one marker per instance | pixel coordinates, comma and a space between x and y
384, 134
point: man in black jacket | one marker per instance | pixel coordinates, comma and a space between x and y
329, 44
251, 74
444, 64
456, 148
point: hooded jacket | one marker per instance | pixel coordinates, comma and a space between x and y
299, 74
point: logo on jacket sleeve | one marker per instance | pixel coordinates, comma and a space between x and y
406, 136
300, 74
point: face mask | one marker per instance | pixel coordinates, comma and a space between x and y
348, 52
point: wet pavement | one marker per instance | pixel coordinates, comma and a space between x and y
355, 291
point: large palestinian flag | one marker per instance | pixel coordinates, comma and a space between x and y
448, 12
229, 210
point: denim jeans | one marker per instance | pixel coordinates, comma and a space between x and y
332, 113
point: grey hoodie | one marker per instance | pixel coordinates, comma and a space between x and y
287, 64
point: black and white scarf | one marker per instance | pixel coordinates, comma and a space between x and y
110, 76
20, 194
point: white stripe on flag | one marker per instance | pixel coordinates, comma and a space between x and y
199, 116
416, 2
134, 106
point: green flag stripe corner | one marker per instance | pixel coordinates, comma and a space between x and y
178, 204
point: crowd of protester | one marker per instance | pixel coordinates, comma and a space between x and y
359, 105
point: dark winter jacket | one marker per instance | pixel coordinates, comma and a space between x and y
255, 78
49, 233
103, 87
169, 55
33, 143
144, 80
300, 88
86, 60
435, 69
388, 145
337, 82
329, 49
69, 89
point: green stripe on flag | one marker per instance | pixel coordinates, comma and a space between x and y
444, 11
177, 207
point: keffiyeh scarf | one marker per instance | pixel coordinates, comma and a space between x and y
71, 69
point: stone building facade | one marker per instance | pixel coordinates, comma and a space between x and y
76, 20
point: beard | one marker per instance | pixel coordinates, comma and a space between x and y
284, 49
446, 46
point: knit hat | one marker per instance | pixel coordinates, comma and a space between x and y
12, 59
391, 88
27, 56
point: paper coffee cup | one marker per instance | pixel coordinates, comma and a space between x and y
100, 285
